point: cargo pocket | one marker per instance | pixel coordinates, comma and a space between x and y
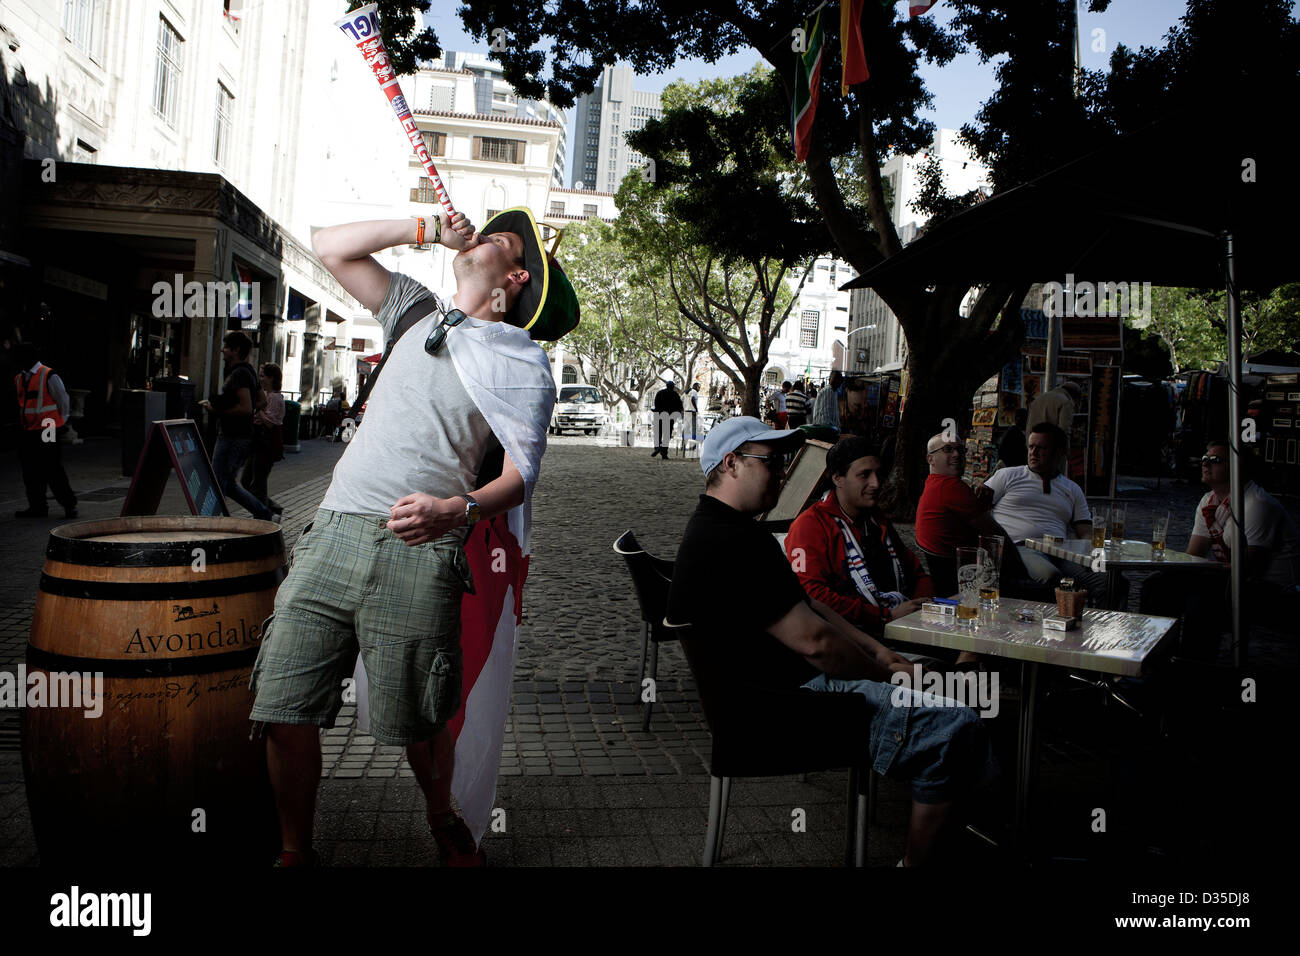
261, 649
442, 689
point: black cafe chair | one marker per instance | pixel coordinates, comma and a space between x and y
764, 733
651, 577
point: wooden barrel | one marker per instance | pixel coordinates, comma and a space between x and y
168, 611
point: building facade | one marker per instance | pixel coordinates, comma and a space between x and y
810, 342
601, 155
161, 147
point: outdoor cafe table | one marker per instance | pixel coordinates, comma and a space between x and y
1106, 642
1125, 555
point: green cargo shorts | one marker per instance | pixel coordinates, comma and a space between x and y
354, 585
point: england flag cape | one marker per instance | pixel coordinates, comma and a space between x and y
509, 378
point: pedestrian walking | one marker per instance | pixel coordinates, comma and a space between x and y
667, 404
796, 405
241, 393
42, 411
268, 439
693, 401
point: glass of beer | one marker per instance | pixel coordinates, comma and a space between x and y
990, 589
970, 578
1117, 514
1159, 531
1100, 524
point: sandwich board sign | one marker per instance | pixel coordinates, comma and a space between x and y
174, 446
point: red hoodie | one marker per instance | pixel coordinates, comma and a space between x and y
823, 567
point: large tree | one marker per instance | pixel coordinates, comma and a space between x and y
1040, 115
949, 354
714, 215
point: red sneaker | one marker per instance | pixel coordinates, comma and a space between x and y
455, 842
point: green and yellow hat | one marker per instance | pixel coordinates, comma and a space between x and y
547, 307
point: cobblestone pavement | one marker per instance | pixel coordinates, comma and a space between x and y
580, 782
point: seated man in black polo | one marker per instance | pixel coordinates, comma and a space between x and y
733, 583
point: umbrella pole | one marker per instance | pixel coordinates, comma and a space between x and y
1237, 486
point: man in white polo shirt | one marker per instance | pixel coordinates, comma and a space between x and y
1032, 500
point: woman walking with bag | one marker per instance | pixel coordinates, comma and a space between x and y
268, 438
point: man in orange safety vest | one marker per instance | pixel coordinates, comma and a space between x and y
42, 410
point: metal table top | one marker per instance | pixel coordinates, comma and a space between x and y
1126, 555
1108, 642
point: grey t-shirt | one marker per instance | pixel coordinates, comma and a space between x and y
421, 431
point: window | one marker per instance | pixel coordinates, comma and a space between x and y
424, 192
491, 213
83, 152
231, 11
569, 376
557, 208
589, 210
494, 149
167, 73
224, 125
81, 23
434, 142
809, 323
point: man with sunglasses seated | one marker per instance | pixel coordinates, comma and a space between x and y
733, 584
1272, 559
382, 569
1032, 500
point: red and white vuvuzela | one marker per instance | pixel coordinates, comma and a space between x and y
362, 25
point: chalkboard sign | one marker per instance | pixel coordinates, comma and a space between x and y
174, 445
805, 482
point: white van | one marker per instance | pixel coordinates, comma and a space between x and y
579, 408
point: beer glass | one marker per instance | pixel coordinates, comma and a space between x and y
1159, 531
1100, 524
990, 587
970, 578
1117, 514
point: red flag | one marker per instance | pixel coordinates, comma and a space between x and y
851, 52
917, 7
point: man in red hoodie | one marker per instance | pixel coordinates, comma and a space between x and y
846, 553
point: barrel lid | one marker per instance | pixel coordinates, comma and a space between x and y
152, 540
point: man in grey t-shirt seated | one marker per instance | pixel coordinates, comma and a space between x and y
382, 568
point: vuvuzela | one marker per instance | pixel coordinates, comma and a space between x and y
362, 25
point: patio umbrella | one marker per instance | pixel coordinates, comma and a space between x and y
1176, 203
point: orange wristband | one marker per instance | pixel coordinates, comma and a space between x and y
419, 231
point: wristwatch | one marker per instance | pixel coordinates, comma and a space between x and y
472, 511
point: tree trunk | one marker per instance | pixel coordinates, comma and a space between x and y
950, 358
753, 383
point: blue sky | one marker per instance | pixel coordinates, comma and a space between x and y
958, 88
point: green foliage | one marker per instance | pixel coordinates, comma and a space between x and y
722, 167
407, 47
1192, 324
631, 329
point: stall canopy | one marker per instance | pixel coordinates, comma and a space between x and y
1198, 200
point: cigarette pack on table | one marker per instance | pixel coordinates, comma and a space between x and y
1058, 623
939, 610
